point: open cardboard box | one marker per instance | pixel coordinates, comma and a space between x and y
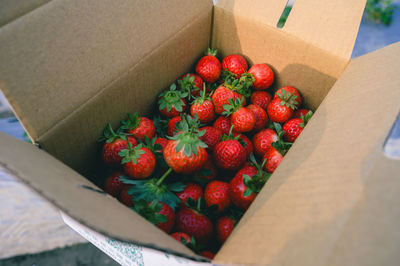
68, 67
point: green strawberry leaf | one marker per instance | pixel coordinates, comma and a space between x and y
176, 187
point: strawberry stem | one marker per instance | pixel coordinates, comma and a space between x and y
159, 181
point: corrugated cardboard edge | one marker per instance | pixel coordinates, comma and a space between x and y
311, 208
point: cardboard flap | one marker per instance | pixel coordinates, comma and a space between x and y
316, 208
79, 198
329, 25
58, 56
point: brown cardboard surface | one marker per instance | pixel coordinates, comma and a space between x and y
79, 198
319, 204
11, 9
57, 57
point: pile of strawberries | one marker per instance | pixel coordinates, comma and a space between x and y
194, 170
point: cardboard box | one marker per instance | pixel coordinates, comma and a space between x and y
68, 67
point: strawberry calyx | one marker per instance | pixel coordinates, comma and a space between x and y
131, 122
150, 211
233, 106
255, 183
109, 135
288, 99
131, 154
280, 145
241, 85
192, 244
203, 96
188, 138
188, 85
172, 98
200, 207
232, 136
305, 118
161, 125
212, 52
157, 151
155, 189
228, 76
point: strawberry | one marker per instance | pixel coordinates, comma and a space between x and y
209, 171
235, 64
172, 102
191, 83
261, 98
194, 223
217, 193
113, 185
289, 93
247, 183
181, 237
211, 136
246, 143
208, 254
209, 67
279, 110
242, 118
162, 142
263, 75
223, 123
273, 158
261, 117
156, 212
263, 140
191, 190
114, 144
221, 97
186, 153
294, 127
300, 112
223, 228
172, 125
126, 197
203, 107
138, 162
229, 154
139, 127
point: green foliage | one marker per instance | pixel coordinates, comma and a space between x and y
380, 11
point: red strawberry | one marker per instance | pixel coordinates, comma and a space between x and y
261, 98
172, 102
223, 123
262, 141
139, 127
221, 97
237, 188
113, 185
261, 117
246, 143
172, 125
168, 212
274, 158
294, 127
208, 254
235, 64
279, 111
191, 83
181, 237
203, 107
223, 228
191, 190
209, 171
209, 67
125, 197
242, 118
211, 136
217, 193
300, 112
193, 223
186, 153
263, 75
162, 141
138, 162
289, 93
114, 144
229, 154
